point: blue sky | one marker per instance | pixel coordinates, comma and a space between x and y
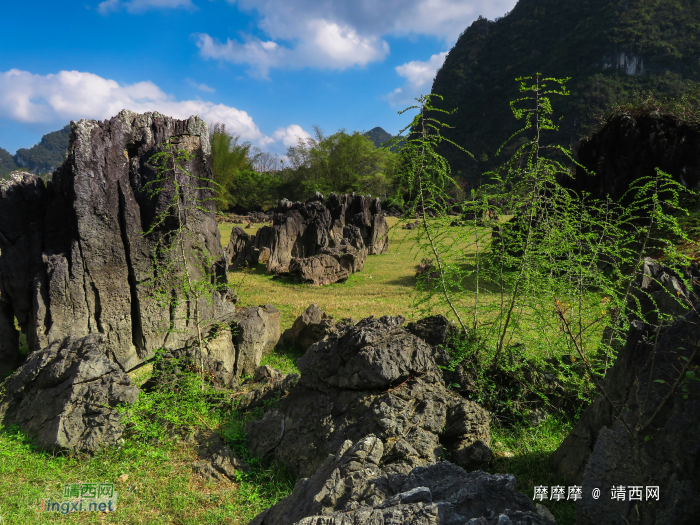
268, 69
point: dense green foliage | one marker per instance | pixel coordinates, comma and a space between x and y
7, 163
583, 39
229, 158
543, 282
339, 163
46, 156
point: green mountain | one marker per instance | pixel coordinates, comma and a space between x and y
46, 156
611, 49
7, 163
378, 136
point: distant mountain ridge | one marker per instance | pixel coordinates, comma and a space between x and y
378, 136
609, 48
43, 157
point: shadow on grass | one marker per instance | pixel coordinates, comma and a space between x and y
407, 280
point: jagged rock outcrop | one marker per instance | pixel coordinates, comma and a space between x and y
331, 265
320, 241
273, 385
65, 396
256, 332
354, 487
599, 452
22, 202
217, 460
73, 258
309, 328
232, 349
629, 147
372, 378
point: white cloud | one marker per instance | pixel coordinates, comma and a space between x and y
139, 6
325, 45
72, 95
342, 33
201, 87
419, 79
290, 135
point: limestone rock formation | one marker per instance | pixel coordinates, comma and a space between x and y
599, 451
273, 385
629, 147
354, 486
64, 395
309, 328
658, 290
319, 241
256, 333
371, 378
22, 201
73, 258
233, 349
217, 461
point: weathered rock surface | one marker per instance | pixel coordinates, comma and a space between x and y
234, 348
656, 290
372, 378
599, 452
319, 241
217, 460
309, 328
631, 147
73, 258
273, 386
64, 396
22, 201
256, 333
669, 458
353, 487
331, 265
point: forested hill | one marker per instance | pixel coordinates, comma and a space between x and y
378, 136
610, 48
46, 156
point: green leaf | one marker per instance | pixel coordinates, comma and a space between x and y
659, 381
646, 438
690, 374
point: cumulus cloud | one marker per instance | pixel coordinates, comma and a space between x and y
139, 6
290, 135
419, 79
201, 87
342, 33
324, 45
72, 95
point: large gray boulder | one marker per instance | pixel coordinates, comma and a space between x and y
256, 332
318, 242
658, 290
73, 258
352, 487
65, 396
600, 452
309, 328
371, 378
669, 449
232, 349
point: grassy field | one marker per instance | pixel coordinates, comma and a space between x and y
384, 287
155, 480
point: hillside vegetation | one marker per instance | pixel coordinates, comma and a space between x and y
612, 50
